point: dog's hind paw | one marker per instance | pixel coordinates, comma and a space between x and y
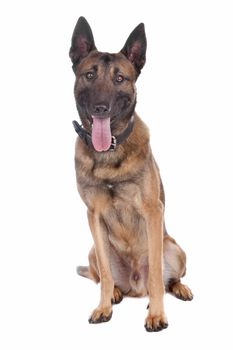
180, 291
117, 296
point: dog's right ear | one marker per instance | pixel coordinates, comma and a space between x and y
82, 42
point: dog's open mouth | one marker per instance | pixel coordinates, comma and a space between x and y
101, 134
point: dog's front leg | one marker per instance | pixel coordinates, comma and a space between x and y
156, 319
103, 312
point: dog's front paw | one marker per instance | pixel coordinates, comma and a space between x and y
155, 323
101, 315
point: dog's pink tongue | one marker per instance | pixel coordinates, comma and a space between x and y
101, 134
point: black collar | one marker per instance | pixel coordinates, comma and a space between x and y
116, 140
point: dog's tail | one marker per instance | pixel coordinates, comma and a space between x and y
86, 271
83, 271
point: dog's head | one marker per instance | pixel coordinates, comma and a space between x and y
105, 90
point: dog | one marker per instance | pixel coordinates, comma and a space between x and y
119, 181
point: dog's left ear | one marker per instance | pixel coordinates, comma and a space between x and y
135, 48
82, 42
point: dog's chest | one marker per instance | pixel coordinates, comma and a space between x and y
125, 224
127, 193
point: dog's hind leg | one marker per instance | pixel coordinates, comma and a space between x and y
174, 269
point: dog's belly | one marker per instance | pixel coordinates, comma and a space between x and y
129, 250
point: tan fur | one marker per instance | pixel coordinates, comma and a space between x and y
127, 227
132, 254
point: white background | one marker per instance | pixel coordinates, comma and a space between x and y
185, 97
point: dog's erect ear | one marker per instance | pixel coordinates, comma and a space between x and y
82, 41
135, 47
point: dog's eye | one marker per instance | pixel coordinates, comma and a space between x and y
120, 78
89, 75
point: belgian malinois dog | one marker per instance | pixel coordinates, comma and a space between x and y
119, 181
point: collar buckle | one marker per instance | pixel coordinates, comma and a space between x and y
113, 144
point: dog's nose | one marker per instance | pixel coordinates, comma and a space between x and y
100, 109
